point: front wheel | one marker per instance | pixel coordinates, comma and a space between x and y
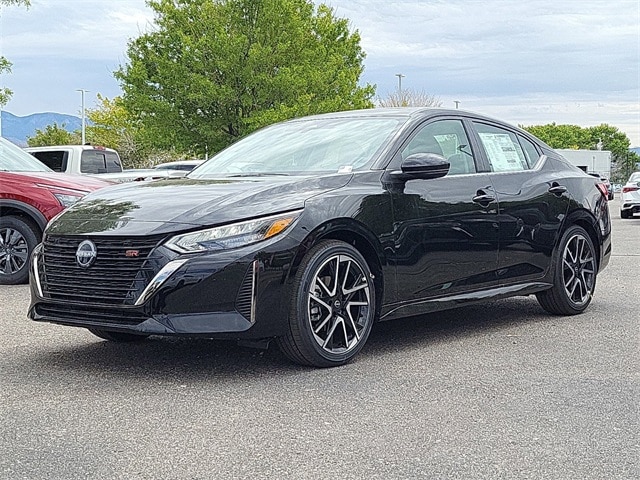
119, 337
624, 214
18, 238
333, 306
574, 276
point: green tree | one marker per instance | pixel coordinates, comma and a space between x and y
561, 136
108, 122
605, 137
215, 70
5, 93
112, 125
610, 138
54, 135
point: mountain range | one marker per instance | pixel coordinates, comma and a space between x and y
17, 129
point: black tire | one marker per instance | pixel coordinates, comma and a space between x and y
18, 238
624, 214
332, 307
575, 272
119, 337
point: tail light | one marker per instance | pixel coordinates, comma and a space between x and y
630, 189
603, 189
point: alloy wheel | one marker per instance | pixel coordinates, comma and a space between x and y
578, 269
339, 300
14, 251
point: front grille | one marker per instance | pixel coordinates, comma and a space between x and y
113, 279
65, 314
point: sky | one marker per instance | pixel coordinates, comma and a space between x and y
527, 62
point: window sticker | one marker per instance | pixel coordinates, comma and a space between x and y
503, 154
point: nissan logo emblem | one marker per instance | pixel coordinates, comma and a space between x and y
86, 253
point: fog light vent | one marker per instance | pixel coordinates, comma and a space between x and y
246, 299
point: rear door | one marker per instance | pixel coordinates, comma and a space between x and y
533, 201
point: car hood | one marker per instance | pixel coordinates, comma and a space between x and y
81, 183
165, 206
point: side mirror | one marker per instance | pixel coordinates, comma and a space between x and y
423, 166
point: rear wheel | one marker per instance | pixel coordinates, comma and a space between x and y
574, 276
119, 337
18, 238
624, 214
333, 306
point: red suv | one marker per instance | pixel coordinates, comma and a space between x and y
30, 195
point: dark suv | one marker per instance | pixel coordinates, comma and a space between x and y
30, 195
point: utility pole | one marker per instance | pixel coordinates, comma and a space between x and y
82, 92
457, 102
400, 77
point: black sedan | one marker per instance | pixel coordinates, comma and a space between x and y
309, 231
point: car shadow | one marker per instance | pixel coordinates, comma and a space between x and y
201, 359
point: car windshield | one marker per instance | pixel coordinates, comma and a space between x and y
635, 177
14, 159
321, 144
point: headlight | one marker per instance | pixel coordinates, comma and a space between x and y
232, 236
67, 200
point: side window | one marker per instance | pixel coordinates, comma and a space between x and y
113, 162
55, 160
530, 151
447, 138
502, 147
93, 161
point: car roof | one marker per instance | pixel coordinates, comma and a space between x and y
407, 112
415, 113
58, 147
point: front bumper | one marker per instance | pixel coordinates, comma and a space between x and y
631, 206
239, 294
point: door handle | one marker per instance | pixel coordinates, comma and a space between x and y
483, 199
557, 189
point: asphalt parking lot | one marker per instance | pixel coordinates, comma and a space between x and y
501, 390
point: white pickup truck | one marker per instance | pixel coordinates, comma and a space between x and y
90, 159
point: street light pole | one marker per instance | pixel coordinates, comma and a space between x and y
82, 92
400, 77
457, 102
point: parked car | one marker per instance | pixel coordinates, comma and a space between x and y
30, 195
179, 166
311, 230
630, 196
607, 184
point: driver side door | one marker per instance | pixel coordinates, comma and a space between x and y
446, 229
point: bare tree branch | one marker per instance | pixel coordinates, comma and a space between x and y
409, 98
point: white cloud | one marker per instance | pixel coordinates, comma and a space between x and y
81, 29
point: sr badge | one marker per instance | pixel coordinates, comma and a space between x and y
86, 253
